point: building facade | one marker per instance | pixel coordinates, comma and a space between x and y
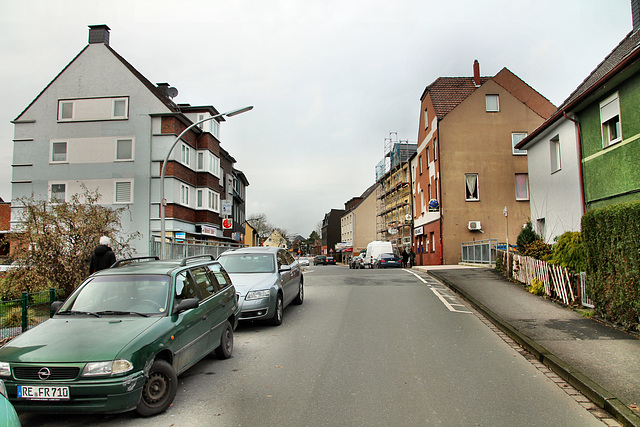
467, 171
102, 125
358, 223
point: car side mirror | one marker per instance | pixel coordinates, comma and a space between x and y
55, 306
285, 268
186, 304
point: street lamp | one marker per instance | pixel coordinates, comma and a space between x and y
163, 201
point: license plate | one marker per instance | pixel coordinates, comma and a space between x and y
43, 393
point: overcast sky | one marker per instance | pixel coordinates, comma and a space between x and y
329, 79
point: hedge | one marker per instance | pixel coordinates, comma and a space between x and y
612, 244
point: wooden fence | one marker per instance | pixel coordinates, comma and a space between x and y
558, 282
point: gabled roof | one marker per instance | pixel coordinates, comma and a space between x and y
152, 88
449, 92
626, 53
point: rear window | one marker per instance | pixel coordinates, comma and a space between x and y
248, 263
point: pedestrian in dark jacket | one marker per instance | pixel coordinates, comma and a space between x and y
103, 256
405, 258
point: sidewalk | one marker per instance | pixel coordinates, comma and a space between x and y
600, 361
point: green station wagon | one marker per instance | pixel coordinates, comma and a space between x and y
122, 337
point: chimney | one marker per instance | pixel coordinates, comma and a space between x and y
99, 34
635, 14
476, 73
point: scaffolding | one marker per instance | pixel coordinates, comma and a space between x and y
394, 219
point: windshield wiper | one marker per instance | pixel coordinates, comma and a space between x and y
78, 312
117, 313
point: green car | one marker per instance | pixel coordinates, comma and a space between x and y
121, 339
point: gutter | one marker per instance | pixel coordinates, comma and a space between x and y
577, 124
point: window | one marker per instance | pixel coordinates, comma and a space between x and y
432, 239
58, 151
124, 149
420, 164
65, 110
471, 187
435, 149
554, 153
426, 119
207, 199
58, 192
203, 282
199, 118
522, 186
516, 137
185, 288
610, 119
185, 153
208, 162
492, 103
123, 192
184, 194
120, 108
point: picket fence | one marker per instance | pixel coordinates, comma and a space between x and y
558, 282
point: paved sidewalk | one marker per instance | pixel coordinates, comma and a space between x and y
600, 361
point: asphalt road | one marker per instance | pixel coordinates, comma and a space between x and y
367, 348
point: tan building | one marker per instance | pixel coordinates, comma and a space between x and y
276, 240
466, 169
358, 223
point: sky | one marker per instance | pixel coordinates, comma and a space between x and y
329, 80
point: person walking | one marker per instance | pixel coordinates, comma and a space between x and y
405, 258
103, 256
412, 257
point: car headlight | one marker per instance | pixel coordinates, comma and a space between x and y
258, 294
5, 369
112, 367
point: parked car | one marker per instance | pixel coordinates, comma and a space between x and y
357, 261
8, 414
122, 337
320, 259
303, 261
330, 260
374, 249
387, 261
266, 279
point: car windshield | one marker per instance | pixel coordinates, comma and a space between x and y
248, 263
119, 295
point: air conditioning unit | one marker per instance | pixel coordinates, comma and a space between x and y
474, 225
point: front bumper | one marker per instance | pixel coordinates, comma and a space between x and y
257, 308
105, 395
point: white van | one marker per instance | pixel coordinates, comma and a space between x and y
374, 249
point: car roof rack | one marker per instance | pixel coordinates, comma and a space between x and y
193, 257
134, 259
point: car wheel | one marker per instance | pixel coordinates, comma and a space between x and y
300, 297
159, 389
225, 348
276, 320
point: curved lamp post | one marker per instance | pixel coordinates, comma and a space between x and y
163, 201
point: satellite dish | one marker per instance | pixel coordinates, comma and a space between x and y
172, 92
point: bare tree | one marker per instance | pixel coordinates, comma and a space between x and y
56, 239
260, 223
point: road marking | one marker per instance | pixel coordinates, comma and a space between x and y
444, 294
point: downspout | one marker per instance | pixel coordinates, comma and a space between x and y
577, 124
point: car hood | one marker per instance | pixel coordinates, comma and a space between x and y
245, 282
78, 339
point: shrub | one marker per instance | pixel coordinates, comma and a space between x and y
538, 250
536, 287
569, 252
526, 237
612, 249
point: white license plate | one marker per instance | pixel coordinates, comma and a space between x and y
43, 393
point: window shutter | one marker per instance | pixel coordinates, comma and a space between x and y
123, 192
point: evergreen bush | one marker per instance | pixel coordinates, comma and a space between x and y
568, 252
526, 237
611, 237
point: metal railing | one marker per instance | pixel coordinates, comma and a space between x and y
479, 251
17, 316
177, 250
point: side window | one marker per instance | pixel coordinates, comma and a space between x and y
282, 260
185, 288
202, 282
289, 257
220, 275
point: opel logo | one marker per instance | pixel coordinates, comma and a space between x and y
44, 373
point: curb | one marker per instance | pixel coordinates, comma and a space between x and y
581, 382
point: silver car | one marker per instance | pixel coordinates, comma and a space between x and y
266, 279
